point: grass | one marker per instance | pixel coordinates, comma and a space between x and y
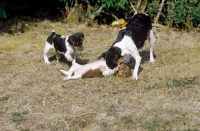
186, 81
18, 117
33, 95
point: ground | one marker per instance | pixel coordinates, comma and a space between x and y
33, 95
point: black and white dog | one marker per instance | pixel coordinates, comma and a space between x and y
97, 68
64, 45
129, 40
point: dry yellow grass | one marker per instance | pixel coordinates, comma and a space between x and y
33, 95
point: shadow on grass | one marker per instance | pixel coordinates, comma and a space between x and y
63, 60
145, 58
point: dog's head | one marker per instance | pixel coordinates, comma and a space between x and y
76, 40
111, 60
111, 57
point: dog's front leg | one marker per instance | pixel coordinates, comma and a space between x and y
110, 72
68, 57
138, 59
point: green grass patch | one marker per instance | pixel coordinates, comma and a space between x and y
174, 82
18, 117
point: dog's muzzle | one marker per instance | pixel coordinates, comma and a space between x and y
79, 47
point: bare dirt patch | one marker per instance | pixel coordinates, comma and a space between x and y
33, 95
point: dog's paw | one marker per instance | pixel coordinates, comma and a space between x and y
65, 78
152, 61
47, 62
116, 69
135, 77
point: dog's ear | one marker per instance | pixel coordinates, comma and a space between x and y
103, 55
71, 40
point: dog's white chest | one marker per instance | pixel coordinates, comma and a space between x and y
70, 49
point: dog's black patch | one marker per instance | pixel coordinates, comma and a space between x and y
59, 40
76, 40
112, 57
139, 25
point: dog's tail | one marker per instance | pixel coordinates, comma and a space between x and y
53, 32
64, 72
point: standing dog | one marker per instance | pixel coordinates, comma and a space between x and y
64, 45
98, 68
129, 40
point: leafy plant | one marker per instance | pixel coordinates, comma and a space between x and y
94, 9
2, 9
184, 13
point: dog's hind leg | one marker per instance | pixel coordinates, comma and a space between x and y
72, 69
58, 56
68, 73
64, 72
109, 72
46, 50
152, 41
72, 77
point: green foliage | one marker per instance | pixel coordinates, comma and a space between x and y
118, 4
104, 3
2, 9
179, 13
112, 6
152, 8
184, 13
176, 13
